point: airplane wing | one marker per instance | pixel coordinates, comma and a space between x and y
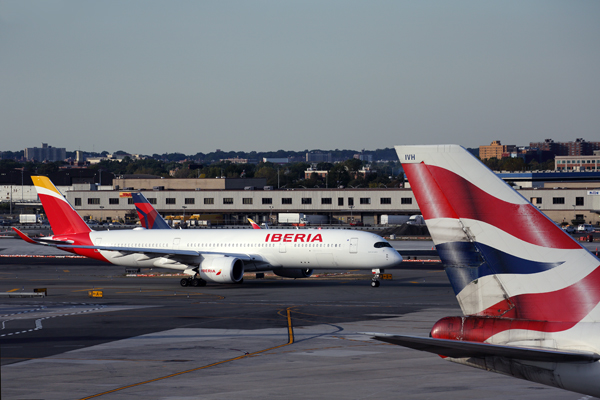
461, 349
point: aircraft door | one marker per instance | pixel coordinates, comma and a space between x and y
282, 247
176, 243
354, 245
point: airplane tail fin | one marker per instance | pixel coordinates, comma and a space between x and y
62, 217
503, 257
254, 224
149, 217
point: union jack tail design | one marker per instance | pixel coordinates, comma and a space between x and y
504, 258
149, 217
63, 218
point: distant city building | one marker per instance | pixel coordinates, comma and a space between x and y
579, 147
318, 157
495, 150
276, 160
578, 163
364, 157
45, 153
236, 160
308, 173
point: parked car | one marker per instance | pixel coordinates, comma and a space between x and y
569, 229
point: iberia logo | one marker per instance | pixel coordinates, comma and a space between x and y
219, 273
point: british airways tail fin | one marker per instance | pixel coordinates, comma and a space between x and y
149, 217
62, 217
504, 258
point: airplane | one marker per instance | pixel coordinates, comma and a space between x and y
216, 255
529, 293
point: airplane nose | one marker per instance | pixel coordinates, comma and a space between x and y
395, 257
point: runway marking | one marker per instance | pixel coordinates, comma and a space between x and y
12, 290
290, 341
38, 322
66, 270
85, 290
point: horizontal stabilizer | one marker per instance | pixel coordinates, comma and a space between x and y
461, 349
45, 241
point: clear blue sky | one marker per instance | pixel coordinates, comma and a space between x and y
189, 76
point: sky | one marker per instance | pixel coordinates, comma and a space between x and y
195, 76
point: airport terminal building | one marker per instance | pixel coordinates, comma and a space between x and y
341, 206
231, 201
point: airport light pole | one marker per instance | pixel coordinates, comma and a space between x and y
101, 213
351, 217
184, 207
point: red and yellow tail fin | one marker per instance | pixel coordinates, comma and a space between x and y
62, 217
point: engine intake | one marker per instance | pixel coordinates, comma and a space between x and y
222, 269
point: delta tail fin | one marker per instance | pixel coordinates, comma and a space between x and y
62, 216
149, 217
504, 258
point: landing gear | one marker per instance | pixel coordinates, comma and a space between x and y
198, 282
375, 280
195, 282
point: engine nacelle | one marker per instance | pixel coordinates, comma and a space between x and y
293, 272
222, 269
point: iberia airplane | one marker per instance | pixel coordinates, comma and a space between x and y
214, 255
529, 293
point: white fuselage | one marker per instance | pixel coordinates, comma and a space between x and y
259, 249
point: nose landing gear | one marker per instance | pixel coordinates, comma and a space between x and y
375, 280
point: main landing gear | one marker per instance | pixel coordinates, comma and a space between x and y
195, 282
375, 279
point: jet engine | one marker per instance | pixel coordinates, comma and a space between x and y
222, 269
293, 272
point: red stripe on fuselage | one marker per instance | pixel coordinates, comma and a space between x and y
443, 194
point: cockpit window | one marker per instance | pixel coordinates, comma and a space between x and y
382, 244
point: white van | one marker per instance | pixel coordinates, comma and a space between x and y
585, 228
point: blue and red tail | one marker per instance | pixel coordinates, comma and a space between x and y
149, 217
504, 258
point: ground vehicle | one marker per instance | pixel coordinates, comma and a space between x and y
393, 219
569, 229
587, 228
30, 219
302, 219
416, 220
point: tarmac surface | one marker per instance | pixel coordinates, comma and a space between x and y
149, 338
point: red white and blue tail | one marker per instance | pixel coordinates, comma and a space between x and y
149, 217
63, 218
504, 258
